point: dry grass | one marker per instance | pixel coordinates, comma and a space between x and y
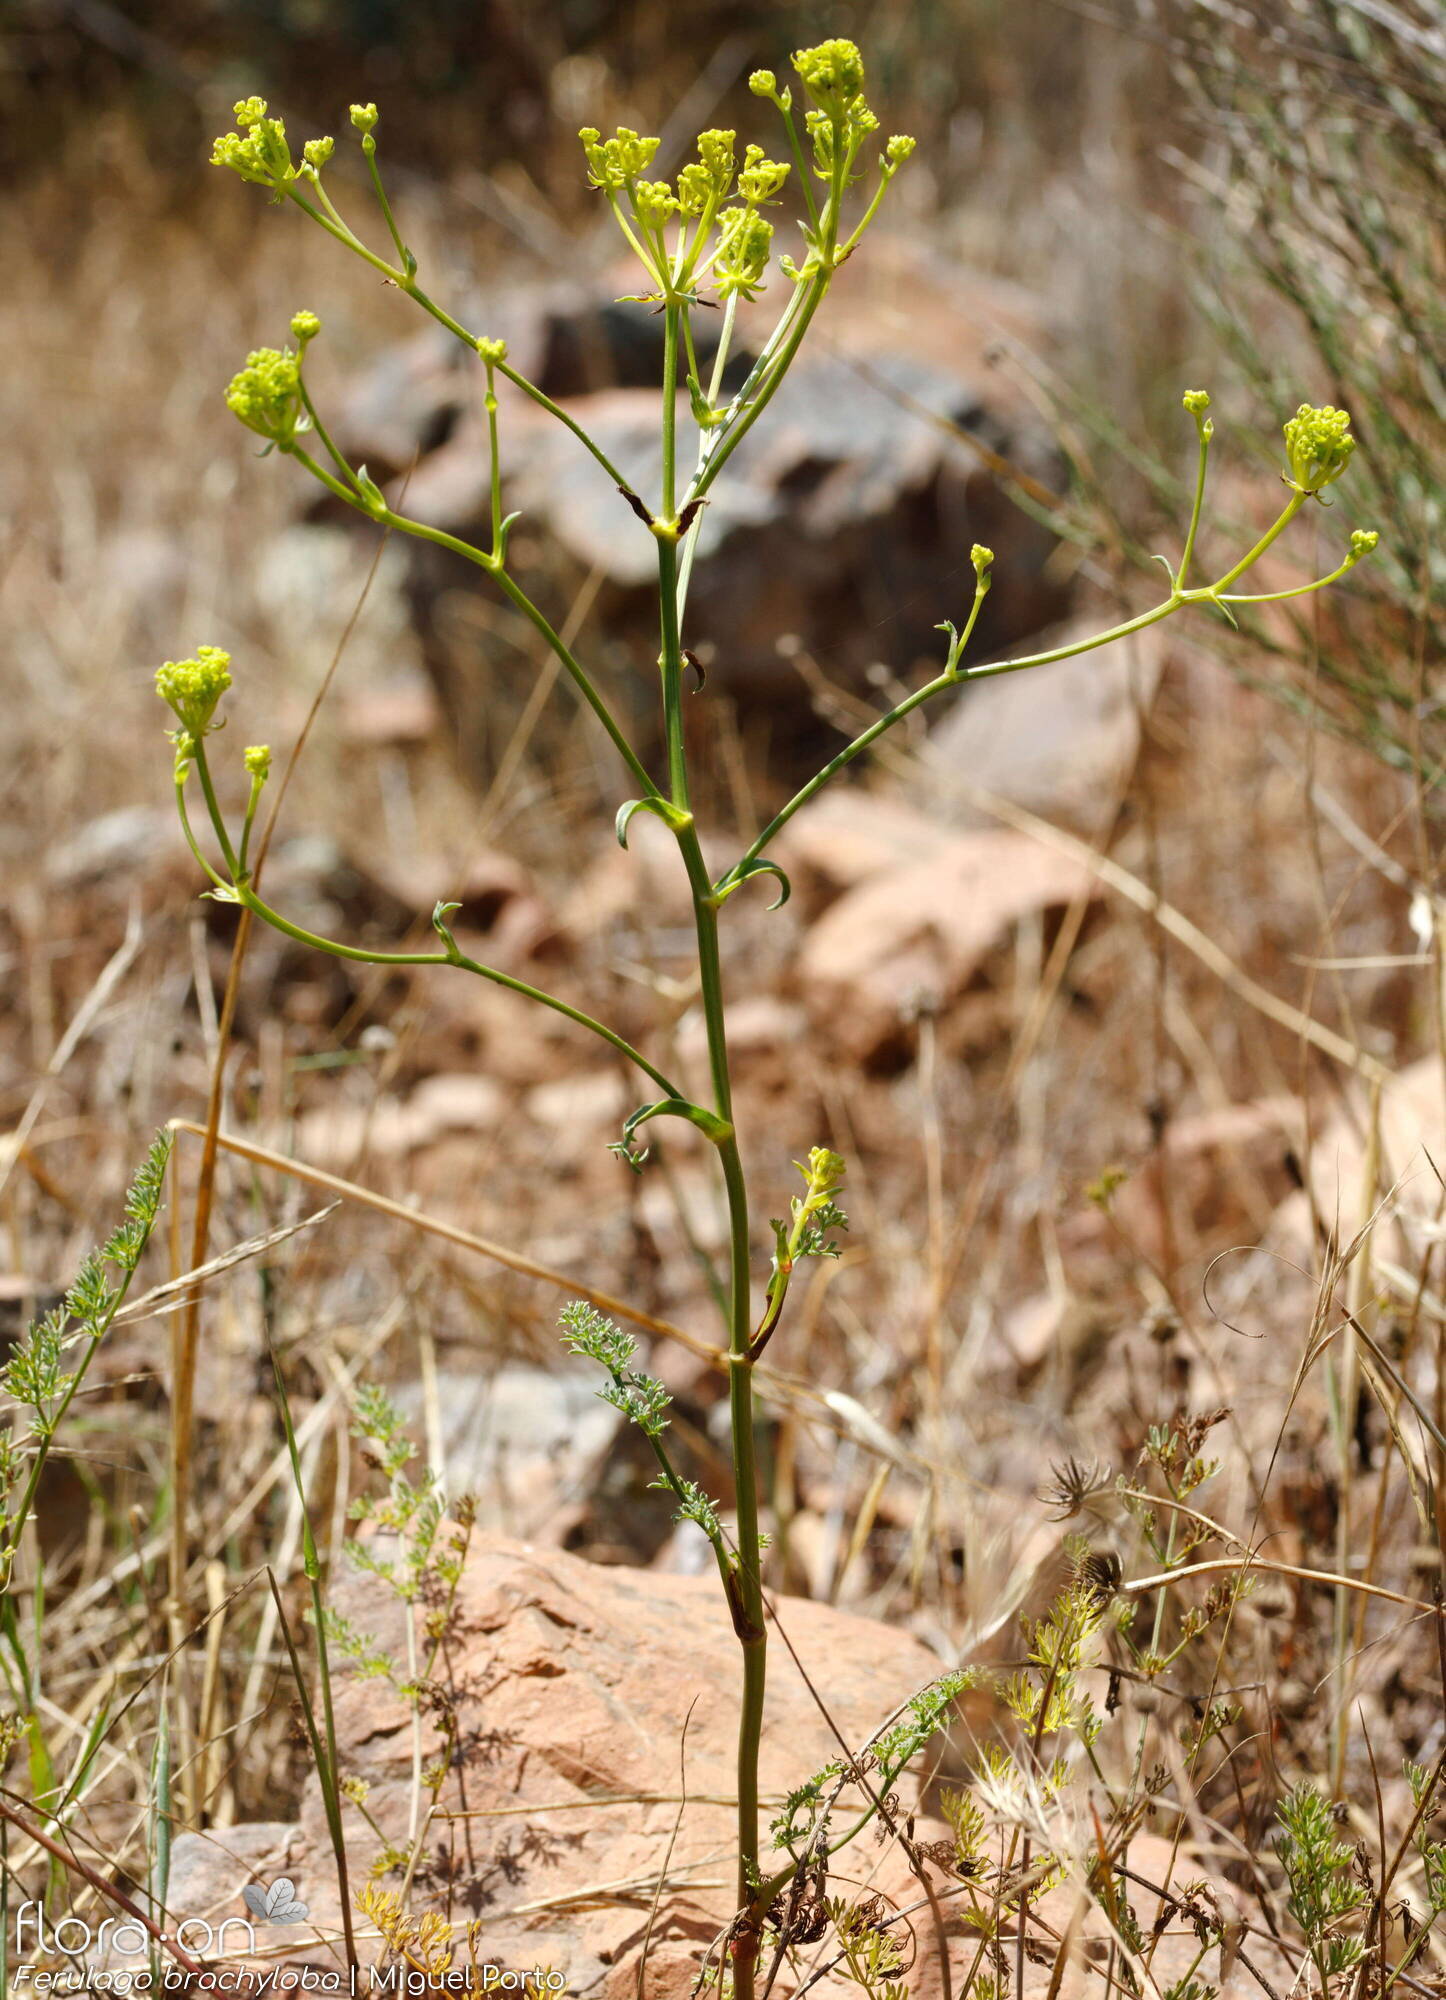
990, 1315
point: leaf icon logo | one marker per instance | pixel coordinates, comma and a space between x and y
276, 1905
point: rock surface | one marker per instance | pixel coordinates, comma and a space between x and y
920, 913
524, 1441
1059, 739
587, 1697
590, 1700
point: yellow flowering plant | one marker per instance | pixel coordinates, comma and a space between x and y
703, 239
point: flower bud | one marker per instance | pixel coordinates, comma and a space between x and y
316, 153
824, 1170
266, 395
899, 149
304, 326
1362, 543
715, 150
1318, 444
1196, 401
633, 152
654, 203
192, 689
258, 761
832, 74
492, 350
982, 560
763, 83
695, 188
761, 179
614, 162
745, 239
364, 118
262, 155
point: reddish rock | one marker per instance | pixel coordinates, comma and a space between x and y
588, 1697
915, 934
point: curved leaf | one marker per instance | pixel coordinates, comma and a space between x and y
661, 808
713, 1128
439, 924
745, 871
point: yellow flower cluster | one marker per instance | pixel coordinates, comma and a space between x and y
193, 688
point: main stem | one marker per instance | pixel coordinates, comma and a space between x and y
746, 1603
747, 1607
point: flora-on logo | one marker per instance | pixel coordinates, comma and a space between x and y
38, 1933
276, 1905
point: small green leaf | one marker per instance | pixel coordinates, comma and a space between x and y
439, 924
672, 816
713, 1128
745, 871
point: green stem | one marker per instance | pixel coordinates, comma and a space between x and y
680, 1494
495, 464
247, 897
805, 179
690, 352
745, 1588
343, 235
343, 469
1199, 501
672, 313
579, 677
369, 147
1301, 589
671, 667
203, 771
257, 785
951, 677
519, 381
748, 416
330, 208
191, 841
644, 257
885, 176
387, 518
752, 1631
705, 444
1272, 533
